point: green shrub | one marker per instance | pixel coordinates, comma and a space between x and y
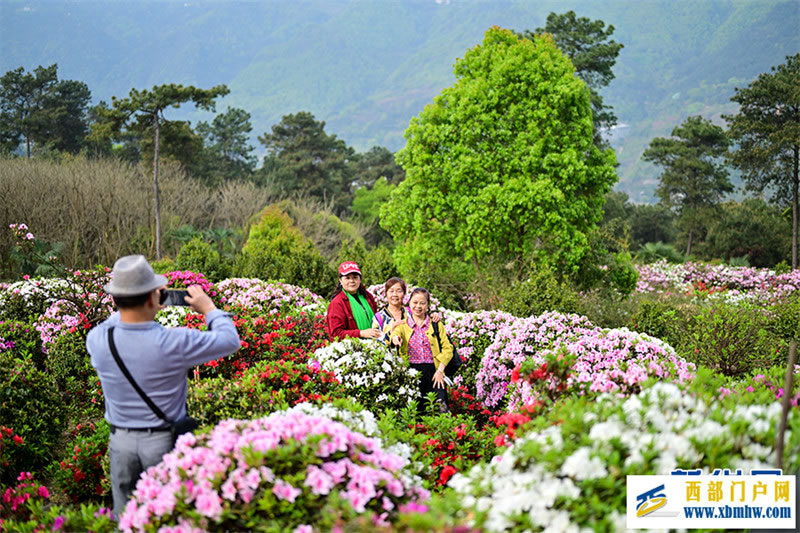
655, 251
606, 310
266, 387
782, 268
69, 364
164, 265
27, 341
198, 256
540, 293
29, 398
733, 340
82, 471
277, 251
786, 318
661, 319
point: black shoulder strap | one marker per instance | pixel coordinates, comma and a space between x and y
158, 412
436, 331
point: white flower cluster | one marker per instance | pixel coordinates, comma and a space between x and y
370, 372
172, 316
31, 289
677, 427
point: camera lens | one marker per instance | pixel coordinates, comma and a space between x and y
163, 296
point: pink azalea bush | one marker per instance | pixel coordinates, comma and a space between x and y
610, 360
267, 297
607, 360
517, 342
287, 471
181, 279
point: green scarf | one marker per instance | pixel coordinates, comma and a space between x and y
362, 312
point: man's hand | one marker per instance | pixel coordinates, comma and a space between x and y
199, 301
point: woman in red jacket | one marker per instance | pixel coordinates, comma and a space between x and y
352, 307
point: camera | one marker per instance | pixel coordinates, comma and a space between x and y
174, 297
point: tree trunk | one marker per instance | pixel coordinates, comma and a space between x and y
28, 145
155, 188
795, 185
689, 240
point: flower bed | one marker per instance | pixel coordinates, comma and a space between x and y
569, 471
762, 283
268, 297
286, 471
370, 373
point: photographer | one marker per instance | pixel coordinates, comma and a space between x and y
157, 359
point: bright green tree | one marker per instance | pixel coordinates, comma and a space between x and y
695, 177
147, 107
303, 160
586, 42
767, 131
501, 169
38, 110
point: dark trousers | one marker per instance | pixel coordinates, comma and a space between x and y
426, 372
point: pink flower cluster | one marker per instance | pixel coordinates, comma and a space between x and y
681, 277
60, 318
379, 292
470, 330
21, 232
240, 466
25, 490
611, 360
518, 341
181, 279
262, 296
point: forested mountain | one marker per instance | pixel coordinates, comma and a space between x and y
367, 66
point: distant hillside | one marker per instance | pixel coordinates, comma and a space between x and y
367, 67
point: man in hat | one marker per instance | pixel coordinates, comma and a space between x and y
157, 359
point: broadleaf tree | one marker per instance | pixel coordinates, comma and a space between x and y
141, 107
586, 42
501, 170
695, 177
767, 133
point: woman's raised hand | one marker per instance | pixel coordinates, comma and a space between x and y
436, 317
371, 333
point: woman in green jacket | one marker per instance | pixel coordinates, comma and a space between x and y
426, 353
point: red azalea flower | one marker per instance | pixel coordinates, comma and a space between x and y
446, 474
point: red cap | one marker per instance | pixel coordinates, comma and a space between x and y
348, 267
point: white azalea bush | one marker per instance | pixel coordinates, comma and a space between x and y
173, 316
567, 473
290, 471
370, 373
30, 297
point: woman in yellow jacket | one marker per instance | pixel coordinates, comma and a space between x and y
417, 340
